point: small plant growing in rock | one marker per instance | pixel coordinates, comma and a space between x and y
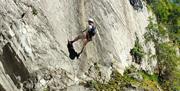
97, 68
152, 31
130, 69
34, 11
46, 89
137, 52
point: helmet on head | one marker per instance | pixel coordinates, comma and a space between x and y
90, 20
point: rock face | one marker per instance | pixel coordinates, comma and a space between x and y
34, 34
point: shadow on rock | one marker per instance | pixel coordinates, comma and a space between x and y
1, 88
13, 65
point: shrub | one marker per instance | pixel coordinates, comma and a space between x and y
34, 11
137, 52
117, 82
167, 66
168, 15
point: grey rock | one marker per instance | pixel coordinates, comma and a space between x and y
34, 34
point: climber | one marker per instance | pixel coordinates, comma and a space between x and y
87, 35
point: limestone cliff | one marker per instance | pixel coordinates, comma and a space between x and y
34, 34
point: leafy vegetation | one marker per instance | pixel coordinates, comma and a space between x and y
167, 66
168, 18
149, 82
34, 11
168, 61
119, 82
98, 69
137, 52
46, 89
152, 31
168, 22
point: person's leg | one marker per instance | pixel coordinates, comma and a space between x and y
84, 44
76, 39
81, 36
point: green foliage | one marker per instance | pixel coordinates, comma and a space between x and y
149, 82
46, 89
162, 10
153, 77
97, 68
167, 66
137, 52
34, 11
130, 69
118, 82
176, 82
176, 1
168, 19
145, 75
152, 31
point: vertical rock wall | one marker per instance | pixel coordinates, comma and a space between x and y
34, 34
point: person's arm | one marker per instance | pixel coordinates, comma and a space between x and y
85, 29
